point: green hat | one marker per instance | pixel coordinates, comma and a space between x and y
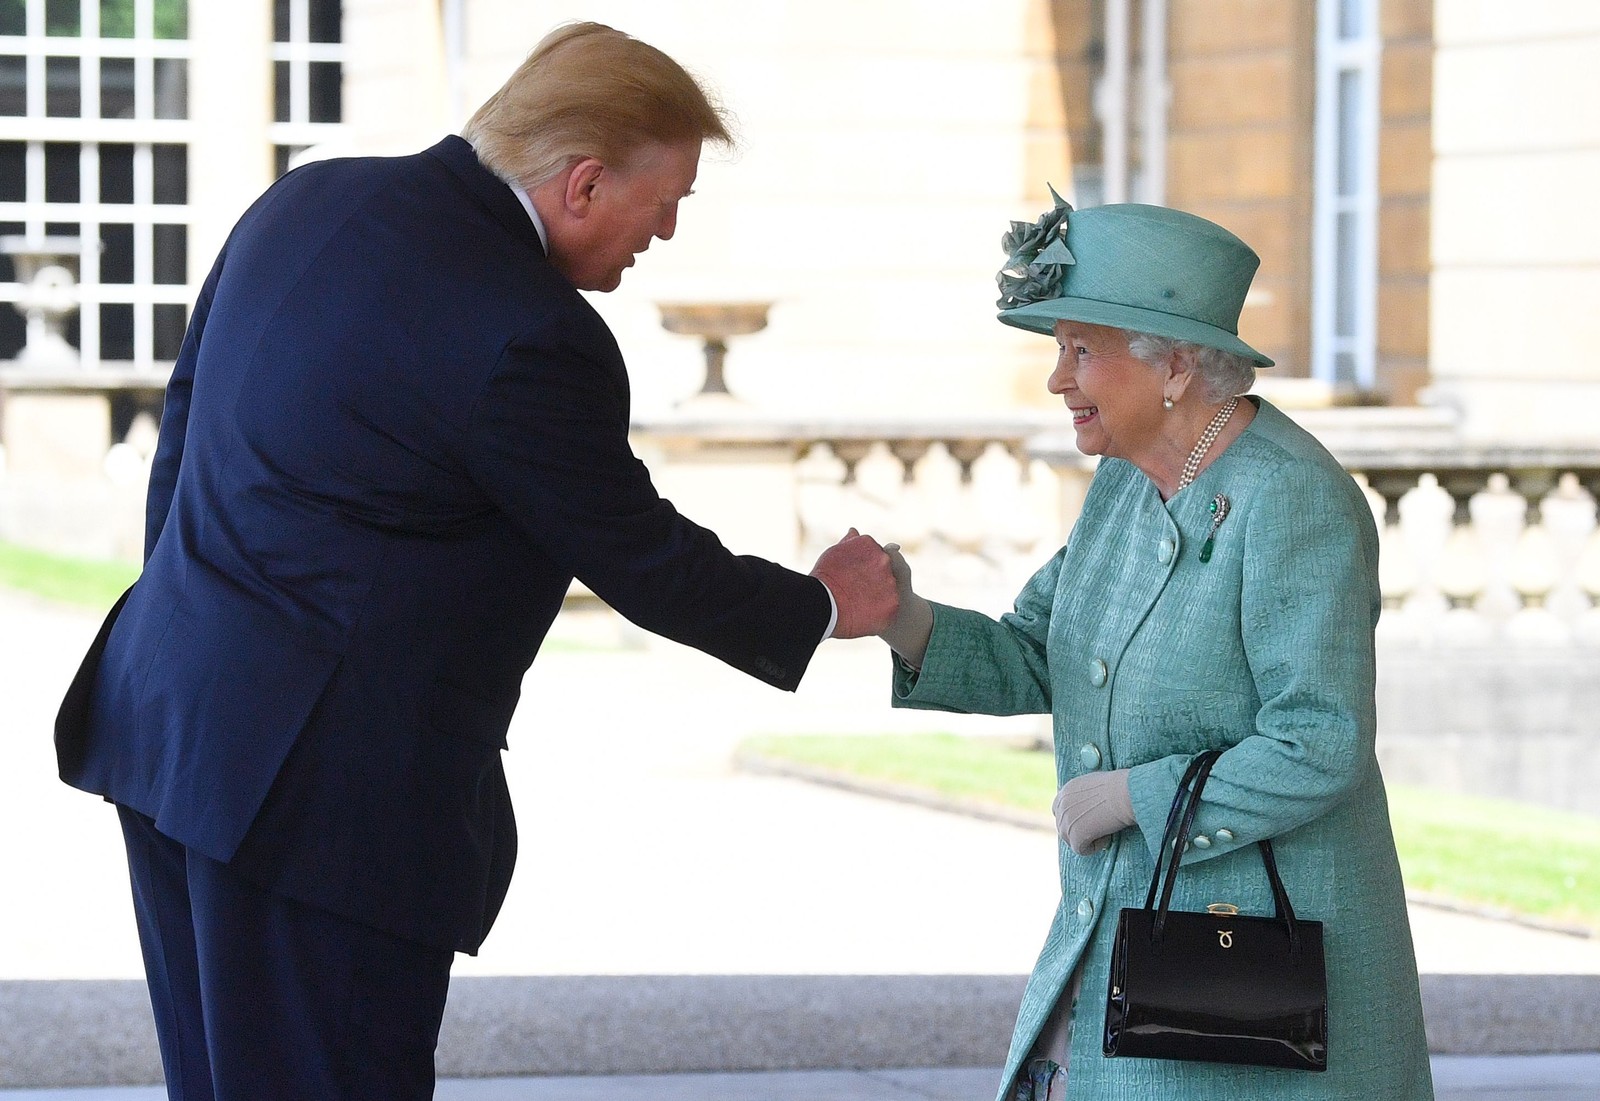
1148, 269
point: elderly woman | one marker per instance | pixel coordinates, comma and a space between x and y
1219, 591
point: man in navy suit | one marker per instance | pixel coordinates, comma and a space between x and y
394, 435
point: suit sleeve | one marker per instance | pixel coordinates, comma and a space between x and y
548, 443
168, 458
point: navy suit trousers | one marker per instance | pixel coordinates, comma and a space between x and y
259, 997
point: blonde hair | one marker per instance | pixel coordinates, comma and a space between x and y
587, 90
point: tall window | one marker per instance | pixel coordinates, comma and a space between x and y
94, 158
307, 57
1345, 238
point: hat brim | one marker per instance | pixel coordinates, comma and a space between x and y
1041, 317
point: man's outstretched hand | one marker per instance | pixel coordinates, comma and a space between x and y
859, 574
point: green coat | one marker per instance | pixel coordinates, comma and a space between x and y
1146, 656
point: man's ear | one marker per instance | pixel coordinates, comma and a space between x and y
582, 179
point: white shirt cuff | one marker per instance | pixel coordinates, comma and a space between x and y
833, 611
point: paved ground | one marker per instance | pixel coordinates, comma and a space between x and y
1456, 1078
620, 768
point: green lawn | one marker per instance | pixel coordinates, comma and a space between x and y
963, 769
96, 585
1509, 856
69, 580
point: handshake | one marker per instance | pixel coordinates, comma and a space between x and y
871, 587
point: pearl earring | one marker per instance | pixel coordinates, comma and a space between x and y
1166, 403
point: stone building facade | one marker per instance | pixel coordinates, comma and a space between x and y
1415, 174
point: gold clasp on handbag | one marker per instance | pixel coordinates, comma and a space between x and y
1223, 909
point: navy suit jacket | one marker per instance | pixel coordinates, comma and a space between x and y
393, 436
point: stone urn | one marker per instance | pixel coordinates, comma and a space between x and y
714, 323
47, 268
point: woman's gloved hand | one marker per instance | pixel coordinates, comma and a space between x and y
1091, 808
913, 624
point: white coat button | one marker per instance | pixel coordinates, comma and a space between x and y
1097, 673
1225, 835
1201, 841
1090, 756
1164, 551
1085, 909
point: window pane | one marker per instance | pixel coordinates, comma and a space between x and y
63, 95
280, 91
280, 21
13, 17
8, 271
1352, 18
61, 18
280, 157
13, 172
325, 106
116, 330
171, 173
13, 86
116, 258
170, 323
116, 172
13, 329
325, 20
116, 87
172, 19
61, 172
116, 18
1349, 127
171, 255
1344, 281
172, 88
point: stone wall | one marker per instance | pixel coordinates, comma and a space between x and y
1516, 239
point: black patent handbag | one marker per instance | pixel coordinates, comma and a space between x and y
1219, 986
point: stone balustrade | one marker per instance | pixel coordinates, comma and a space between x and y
1480, 544
976, 511
1489, 642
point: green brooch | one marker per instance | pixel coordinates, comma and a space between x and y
1219, 512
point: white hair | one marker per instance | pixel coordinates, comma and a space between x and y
1220, 374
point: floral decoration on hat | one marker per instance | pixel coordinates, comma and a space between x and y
1037, 257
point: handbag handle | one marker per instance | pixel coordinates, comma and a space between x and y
1180, 819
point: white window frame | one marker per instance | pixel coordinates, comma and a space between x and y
1346, 329
299, 132
89, 131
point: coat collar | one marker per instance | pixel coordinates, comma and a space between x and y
489, 189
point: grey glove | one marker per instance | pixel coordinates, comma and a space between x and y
1092, 807
913, 625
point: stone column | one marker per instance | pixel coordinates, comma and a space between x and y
1516, 239
231, 107
396, 95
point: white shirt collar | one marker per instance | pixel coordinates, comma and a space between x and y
527, 204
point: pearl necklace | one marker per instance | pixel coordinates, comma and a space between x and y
1191, 465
